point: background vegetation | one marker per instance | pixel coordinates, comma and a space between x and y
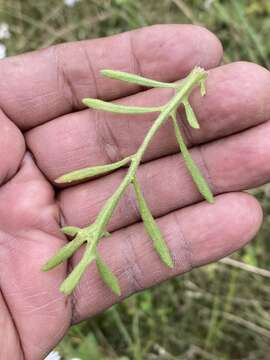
221, 311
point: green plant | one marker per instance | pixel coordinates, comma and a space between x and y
92, 234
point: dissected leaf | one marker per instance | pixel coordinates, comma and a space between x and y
135, 79
89, 172
191, 117
117, 108
152, 227
107, 276
192, 167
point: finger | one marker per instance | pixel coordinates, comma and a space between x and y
237, 98
234, 163
195, 235
12, 148
40, 86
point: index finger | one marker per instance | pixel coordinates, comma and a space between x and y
42, 85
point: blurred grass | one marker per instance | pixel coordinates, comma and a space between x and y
219, 311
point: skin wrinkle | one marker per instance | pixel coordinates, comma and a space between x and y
111, 146
62, 218
187, 248
60, 76
44, 306
136, 68
128, 205
106, 140
91, 68
65, 84
133, 270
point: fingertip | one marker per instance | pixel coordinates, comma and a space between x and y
250, 214
228, 225
211, 45
243, 214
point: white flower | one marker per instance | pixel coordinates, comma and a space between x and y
71, 3
3, 51
4, 31
54, 355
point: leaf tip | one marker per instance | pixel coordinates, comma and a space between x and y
105, 72
170, 263
60, 180
49, 265
84, 101
167, 259
65, 289
88, 102
211, 199
117, 291
45, 267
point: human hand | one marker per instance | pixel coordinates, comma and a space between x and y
40, 98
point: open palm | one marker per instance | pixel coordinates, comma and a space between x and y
46, 132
